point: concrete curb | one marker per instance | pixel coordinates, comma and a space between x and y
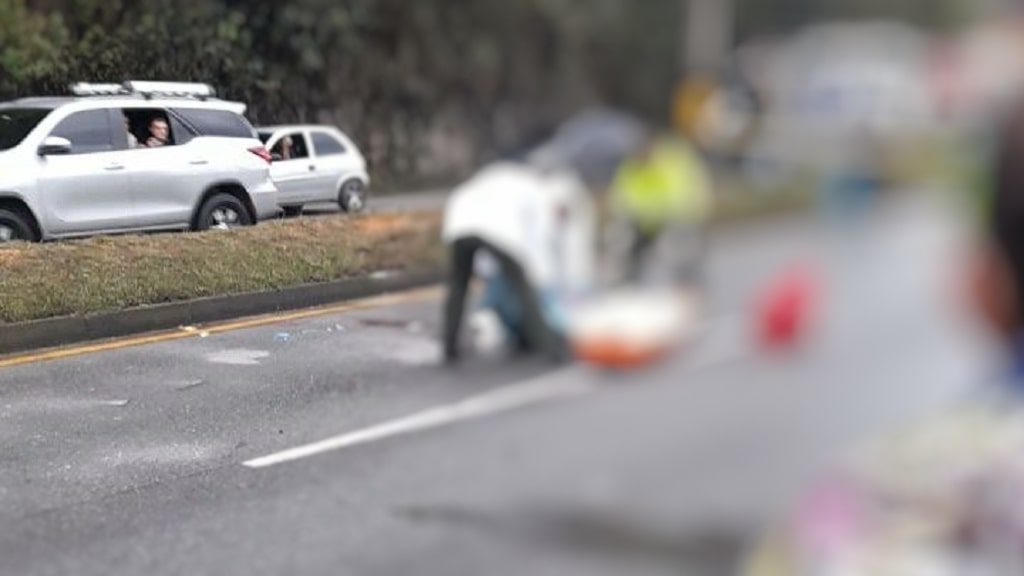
48, 333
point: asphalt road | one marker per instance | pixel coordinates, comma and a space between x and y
388, 203
134, 461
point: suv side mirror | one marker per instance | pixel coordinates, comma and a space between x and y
55, 145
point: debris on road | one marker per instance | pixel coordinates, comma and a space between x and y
417, 353
189, 385
238, 357
194, 330
385, 323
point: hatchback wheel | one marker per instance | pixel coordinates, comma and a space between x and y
352, 197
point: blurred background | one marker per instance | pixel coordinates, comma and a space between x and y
431, 89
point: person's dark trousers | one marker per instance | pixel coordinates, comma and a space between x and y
685, 265
537, 335
639, 253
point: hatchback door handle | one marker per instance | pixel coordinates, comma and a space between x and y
312, 168
199, 162
113, 167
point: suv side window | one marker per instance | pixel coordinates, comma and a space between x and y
182, 133
139, 122
327, 145
89, 131
217, 122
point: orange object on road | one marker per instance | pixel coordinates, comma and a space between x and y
631, 329
617, 355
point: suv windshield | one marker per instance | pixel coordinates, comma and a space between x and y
16, 123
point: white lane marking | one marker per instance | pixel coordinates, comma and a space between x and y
727, 344
560, 384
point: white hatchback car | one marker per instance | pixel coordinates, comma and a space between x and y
312, 164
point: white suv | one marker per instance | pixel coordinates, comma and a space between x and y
79, 165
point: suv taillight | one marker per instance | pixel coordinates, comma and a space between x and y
262, 152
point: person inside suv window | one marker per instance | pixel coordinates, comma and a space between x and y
159, 133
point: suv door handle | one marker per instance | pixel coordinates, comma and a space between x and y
113, 167
199, 162
312, 168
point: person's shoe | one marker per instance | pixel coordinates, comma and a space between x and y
560, 353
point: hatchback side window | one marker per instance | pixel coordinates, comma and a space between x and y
290, 147
327, 145
89, 131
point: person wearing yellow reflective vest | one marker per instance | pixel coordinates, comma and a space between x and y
662, 195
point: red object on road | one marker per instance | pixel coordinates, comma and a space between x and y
785, 308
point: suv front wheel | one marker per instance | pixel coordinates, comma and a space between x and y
222, 212
13, 227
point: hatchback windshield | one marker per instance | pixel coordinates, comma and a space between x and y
16, 123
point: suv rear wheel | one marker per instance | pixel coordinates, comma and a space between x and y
14, 226
223, 212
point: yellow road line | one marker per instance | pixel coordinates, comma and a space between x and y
198, 331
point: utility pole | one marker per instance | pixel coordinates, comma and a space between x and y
708, 35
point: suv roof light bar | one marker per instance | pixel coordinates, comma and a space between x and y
91, 89
145, 89
180, 89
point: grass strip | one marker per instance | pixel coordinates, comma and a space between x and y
110, 273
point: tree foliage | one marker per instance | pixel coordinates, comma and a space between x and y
405, 77
415, 81
758, 17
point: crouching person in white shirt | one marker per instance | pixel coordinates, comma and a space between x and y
536, 226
